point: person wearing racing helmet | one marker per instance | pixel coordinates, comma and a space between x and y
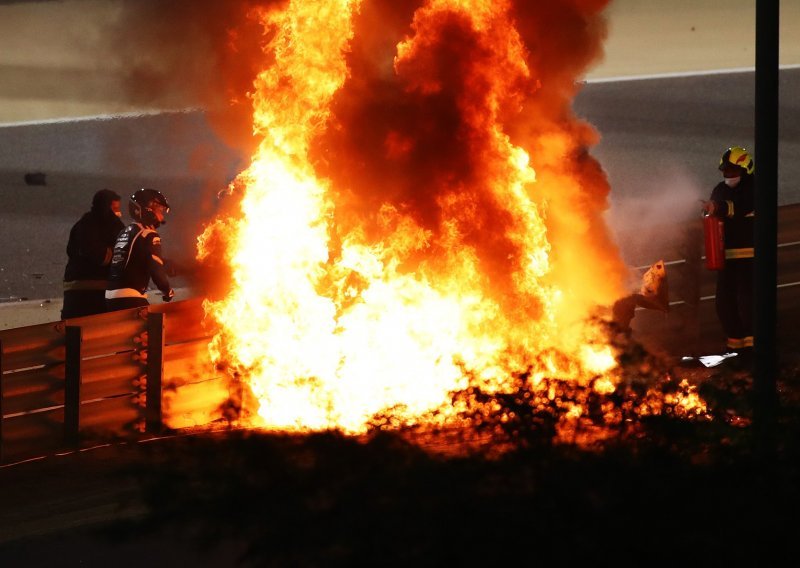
733, 200
137, 257
89, 249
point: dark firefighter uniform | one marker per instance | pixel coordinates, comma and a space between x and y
734, 300
136, 260
89, 250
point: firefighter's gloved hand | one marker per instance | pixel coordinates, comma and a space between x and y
167, 297
709, 207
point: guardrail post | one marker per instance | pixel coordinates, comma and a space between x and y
155, 372
72, 385
2, 387
692, 276
688, 288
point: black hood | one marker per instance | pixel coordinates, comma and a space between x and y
101, 202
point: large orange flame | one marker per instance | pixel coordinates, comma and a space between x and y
394, 244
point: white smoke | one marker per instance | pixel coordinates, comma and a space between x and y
655, 226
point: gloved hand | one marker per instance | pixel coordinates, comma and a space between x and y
709, 207
167, 297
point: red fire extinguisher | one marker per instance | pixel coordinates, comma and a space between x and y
714, 232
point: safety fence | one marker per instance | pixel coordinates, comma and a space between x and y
130, 373
111, 376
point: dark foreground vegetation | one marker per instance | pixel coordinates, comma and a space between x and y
669, 490
672, 490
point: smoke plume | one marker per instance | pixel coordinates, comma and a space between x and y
408, 127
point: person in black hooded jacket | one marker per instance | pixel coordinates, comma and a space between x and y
89, 248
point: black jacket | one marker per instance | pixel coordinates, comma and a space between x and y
136, 259
90, 246
736, 206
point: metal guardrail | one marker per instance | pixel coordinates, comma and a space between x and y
691, 325
134, 372
117, 375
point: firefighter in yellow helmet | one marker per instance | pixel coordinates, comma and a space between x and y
733, 200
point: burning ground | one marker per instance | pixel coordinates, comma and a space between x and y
670, 489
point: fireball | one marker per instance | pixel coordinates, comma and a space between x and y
421, 216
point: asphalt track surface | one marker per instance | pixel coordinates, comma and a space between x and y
660, 141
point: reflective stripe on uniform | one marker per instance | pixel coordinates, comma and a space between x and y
739, 253
739, 343
124, 293
734, 343
730, 208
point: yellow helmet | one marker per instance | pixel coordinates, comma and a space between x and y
738, 156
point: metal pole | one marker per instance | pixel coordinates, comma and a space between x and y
72, 385
766, 220
2, 385
155, 372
